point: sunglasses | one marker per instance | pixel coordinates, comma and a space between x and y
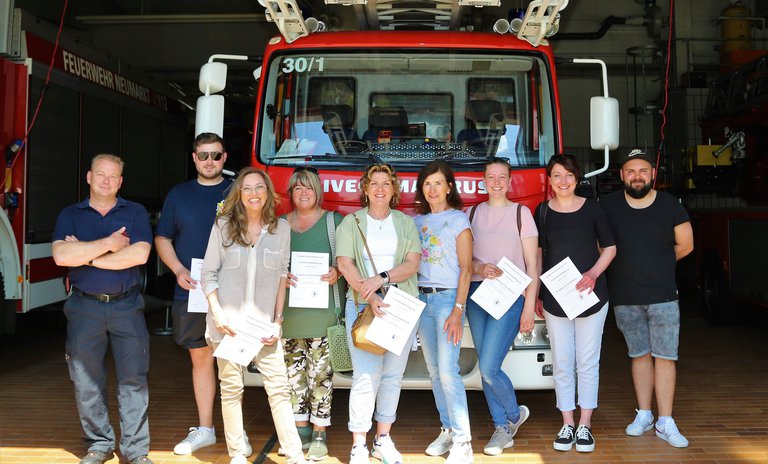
203, 155
306, 168
378, 167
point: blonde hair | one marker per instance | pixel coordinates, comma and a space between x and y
233, 211
309, 179
366, 180
109, 157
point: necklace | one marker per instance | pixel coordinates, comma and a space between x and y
379, 223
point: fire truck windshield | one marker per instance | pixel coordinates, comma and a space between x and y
406, 107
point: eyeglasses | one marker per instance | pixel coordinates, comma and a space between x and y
250, 190
203, 155
306, 168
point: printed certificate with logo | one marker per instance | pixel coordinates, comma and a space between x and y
310, 291
497, 295
561, 281
392, 331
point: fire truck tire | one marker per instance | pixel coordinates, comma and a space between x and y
7, 312
714, 291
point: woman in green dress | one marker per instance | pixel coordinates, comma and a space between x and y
304, 329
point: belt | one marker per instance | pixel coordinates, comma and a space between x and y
432, 289
103, 297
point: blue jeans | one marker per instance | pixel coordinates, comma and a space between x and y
492, 341
376, 380
442, 359
92, 326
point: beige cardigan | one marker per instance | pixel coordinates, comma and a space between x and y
226, 269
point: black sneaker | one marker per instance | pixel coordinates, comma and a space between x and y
585, 442
566, 437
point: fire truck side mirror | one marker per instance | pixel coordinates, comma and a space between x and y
604, 123
209, 115
213, 77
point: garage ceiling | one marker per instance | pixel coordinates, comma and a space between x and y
170, 39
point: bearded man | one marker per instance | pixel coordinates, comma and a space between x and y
652, 232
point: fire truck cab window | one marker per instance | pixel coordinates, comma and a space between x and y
407, 108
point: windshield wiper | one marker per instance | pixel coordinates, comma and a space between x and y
329, 157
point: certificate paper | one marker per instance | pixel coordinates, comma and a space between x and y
310, 291
497, 295
392, 330
561, 281
197, 301
246, 343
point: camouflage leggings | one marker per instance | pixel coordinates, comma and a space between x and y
309, 379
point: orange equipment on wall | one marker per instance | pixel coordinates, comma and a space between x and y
736, 48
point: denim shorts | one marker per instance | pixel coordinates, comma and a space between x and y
653, 328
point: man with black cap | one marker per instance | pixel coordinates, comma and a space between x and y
652, 232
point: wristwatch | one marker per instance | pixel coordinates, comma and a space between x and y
384, 275
460, 306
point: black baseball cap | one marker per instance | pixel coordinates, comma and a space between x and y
637, 154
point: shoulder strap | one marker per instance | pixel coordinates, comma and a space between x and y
331, 227
365, 244
472, 213
370, 255
519, 220
542, 223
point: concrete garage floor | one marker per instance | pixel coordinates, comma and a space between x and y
721, 404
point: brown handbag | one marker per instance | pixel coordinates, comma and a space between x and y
365, 316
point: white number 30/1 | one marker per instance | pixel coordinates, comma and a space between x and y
302, 64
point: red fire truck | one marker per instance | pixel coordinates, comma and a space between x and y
340, 101
728, 192
87, 107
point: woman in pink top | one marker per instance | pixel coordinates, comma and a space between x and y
501, 228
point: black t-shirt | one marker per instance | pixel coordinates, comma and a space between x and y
643, 271
575, 235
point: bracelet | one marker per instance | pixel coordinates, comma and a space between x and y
279, 317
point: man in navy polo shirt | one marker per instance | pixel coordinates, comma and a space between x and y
103, 240
182, 234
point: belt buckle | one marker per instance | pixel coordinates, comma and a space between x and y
104, 297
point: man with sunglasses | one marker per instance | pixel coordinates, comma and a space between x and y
182, 234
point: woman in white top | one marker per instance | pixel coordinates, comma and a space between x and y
244, 275
444, 273
501, 228
394, 244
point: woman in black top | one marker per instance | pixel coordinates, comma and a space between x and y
576, 228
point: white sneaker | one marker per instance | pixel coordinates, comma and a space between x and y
442, 443
669, 433
248, 449
196, 439
239, 459
640, 425
461, 453
384, 450
525, 413
500, 440
359, 455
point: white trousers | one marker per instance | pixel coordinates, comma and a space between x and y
576, 358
